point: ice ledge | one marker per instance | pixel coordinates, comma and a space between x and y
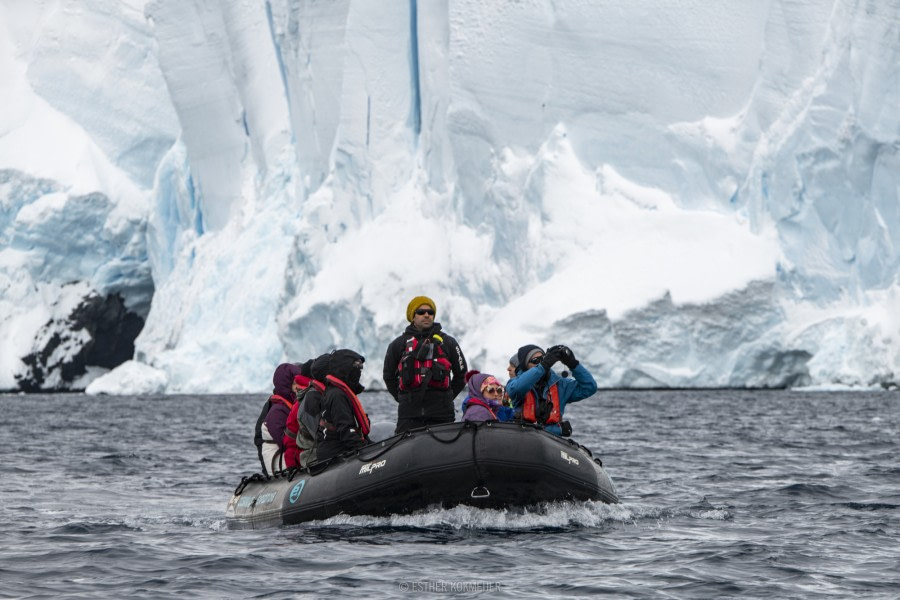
130, 378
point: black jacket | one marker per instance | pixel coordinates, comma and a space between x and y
428, 403
341, 433
311, 406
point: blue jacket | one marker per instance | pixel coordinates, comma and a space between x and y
581, 386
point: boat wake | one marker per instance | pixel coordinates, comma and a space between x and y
550, 515
546, 516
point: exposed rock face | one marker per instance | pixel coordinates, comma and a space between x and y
99, 332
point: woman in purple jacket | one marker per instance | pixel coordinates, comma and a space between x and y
269, 435
484, 399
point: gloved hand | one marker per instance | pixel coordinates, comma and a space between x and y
567, 357
551, 357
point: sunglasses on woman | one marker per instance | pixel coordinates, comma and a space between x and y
493, 389
536, 360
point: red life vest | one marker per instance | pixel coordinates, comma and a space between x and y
362, 419
424, 362
530, 410
295, 442
292, 448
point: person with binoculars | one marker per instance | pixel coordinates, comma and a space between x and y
539, 395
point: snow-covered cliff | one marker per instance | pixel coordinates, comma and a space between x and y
687, 193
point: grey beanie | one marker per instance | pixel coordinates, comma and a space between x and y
525, 353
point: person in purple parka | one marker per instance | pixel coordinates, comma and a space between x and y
484, 401
269, 434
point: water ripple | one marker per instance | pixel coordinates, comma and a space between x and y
725, 494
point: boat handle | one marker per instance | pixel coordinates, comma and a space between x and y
480, 492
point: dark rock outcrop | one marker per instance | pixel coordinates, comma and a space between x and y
99, 332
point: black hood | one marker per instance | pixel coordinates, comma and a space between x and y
306, 368
343, 365
319, 368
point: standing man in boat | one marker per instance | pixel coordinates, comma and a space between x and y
539, 395
424, 369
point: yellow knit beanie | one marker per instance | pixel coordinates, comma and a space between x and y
416, 303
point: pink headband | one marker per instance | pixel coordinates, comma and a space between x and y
489, 381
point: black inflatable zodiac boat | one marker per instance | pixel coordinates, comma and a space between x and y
487, 465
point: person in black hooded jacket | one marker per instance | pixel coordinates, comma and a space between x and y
344, 424
424, 369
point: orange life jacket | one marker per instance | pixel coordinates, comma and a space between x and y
362, 419
530, 407
424, 362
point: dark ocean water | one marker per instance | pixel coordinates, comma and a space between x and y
725, 494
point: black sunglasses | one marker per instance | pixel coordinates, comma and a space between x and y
424, 311
536, 360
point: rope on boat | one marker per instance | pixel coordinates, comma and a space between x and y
482, 492
245, 481
358, 454
407, 434
466, 425
320, 467
587, 451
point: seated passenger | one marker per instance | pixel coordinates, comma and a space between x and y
297, 438
269, 433
539, 395
510, 372
303, 422
344, 424
484, 401
512, 366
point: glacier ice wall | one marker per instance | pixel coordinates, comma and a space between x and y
689, 194
85, 119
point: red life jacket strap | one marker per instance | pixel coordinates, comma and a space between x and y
277, 398
477, 402
362, 419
